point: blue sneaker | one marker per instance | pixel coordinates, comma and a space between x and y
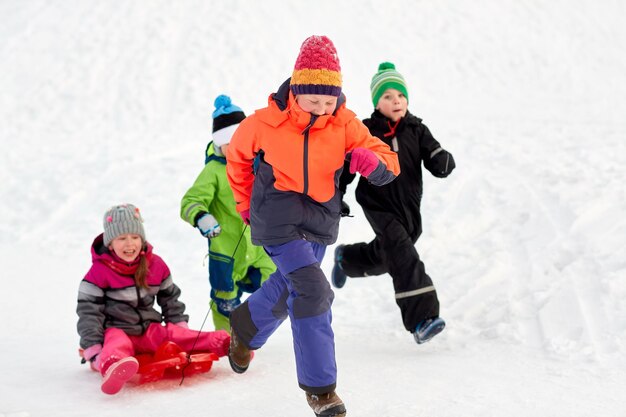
338, 277
427, 329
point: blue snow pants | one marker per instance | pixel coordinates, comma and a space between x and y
300, 290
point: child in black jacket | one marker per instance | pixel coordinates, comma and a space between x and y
393, 210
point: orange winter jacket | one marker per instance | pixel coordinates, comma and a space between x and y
293, 192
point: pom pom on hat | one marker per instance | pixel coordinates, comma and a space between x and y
387, 77
120, 220
317, 69
222, 101
226, 119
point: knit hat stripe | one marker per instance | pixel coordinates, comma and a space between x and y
227, 119
316, 76
324, 90
223, 136
388, 78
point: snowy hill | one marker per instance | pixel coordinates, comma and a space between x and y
110, 102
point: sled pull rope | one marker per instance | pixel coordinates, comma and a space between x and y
232, 258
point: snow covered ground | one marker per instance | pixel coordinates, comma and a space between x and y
109, 102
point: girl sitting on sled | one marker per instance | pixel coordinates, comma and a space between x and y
116, 314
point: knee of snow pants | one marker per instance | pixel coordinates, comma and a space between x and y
117, 345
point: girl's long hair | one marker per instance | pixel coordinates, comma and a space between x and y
141, 274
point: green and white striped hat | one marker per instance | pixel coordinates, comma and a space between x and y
387, 77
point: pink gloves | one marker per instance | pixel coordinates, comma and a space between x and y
363, 161
92, 351
245, 216
91, 355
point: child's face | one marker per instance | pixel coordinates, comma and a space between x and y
317, 104
393, 104
127, 247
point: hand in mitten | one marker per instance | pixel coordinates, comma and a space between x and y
91, 354
363, 161
208, 226
441, 163
245, 216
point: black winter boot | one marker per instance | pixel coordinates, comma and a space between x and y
326, 405
338, 276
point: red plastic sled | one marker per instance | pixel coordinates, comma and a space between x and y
170, 361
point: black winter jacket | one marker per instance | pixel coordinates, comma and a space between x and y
401, 198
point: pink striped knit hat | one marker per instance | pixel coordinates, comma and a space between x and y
317, 69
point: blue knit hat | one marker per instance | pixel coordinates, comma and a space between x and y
226, 118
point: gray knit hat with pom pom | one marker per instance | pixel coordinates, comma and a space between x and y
122, 219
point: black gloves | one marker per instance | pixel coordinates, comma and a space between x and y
441, 163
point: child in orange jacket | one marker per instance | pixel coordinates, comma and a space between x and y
284, 163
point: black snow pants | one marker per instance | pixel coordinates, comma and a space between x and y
393, 251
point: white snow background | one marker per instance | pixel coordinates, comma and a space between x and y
104, 102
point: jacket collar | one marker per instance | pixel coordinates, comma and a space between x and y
379, 120
282, 106
211, 154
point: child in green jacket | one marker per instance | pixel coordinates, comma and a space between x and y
235, 264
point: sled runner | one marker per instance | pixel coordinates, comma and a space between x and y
170, 361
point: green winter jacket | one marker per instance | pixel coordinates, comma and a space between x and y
211, 193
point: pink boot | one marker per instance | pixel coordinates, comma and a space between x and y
118, 373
